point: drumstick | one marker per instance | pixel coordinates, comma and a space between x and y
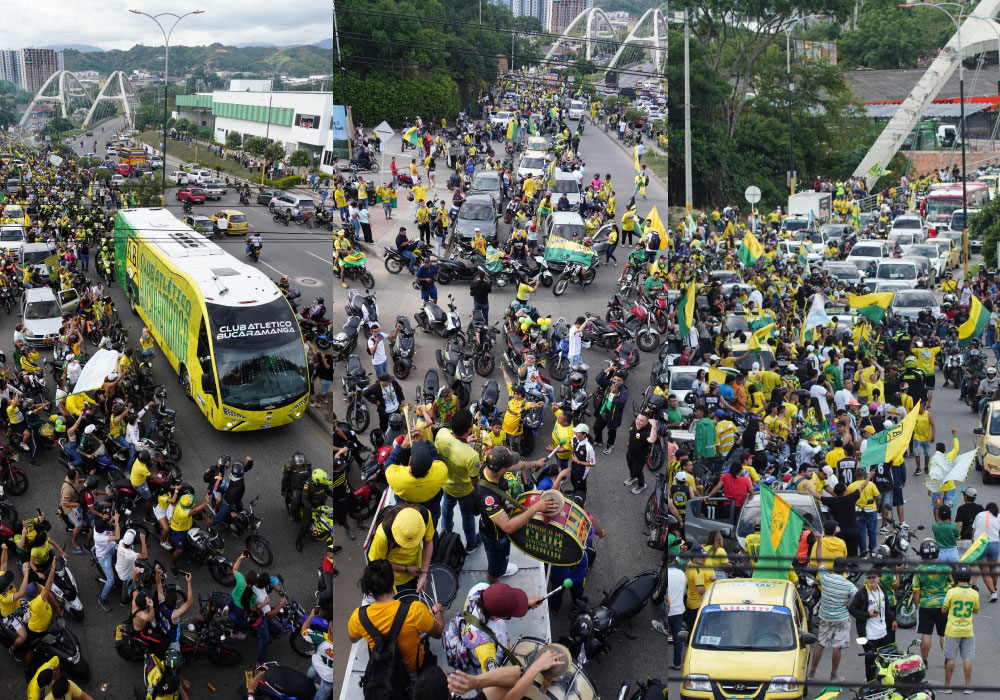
434, 588
566, 584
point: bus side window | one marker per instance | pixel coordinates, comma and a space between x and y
205, 360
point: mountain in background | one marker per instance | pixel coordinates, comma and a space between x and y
293, 61
325, 44
82, 48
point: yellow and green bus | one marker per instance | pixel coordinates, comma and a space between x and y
225, 327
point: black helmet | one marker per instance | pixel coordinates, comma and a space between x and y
960, 572
397, 421
90, 482
299, 459
144, 456
173, 660
225, 461
319, 300
881, 553
118, 405
928, 549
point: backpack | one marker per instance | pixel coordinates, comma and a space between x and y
209, 476
386, 675
449, 551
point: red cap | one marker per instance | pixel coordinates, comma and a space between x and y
500, 600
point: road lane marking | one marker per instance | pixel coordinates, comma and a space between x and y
318, 257
273, 268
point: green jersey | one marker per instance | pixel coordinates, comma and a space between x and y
933, 581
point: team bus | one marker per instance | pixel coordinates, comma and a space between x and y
945, 199
226, 329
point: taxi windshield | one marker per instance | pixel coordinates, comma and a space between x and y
745, 627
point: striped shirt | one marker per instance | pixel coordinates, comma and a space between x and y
837, 592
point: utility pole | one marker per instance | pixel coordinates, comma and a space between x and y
688, 183
340, 60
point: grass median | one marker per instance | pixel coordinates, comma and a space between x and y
186, 153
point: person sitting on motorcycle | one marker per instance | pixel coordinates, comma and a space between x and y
13, 604
254, 241
517, 246
42, 605
232, 498
29, 359
163, 680
168, 613
314, 494
16, 422
988, 387
528, 374
181, 521
405, 246
341, 249
144, 612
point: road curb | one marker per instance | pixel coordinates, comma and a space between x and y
621, 145
316, 414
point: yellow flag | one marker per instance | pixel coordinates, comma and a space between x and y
656, 224
729, 230
716, 375
760, 335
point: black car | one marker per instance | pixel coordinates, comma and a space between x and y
265, 196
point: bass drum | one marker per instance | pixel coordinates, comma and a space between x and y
572, 684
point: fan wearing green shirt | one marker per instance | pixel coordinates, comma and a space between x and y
931, 582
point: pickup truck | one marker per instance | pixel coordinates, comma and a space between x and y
214, 189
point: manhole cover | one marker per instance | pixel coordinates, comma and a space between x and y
309, 281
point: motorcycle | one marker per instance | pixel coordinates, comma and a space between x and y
456, 363
593, 631
427, 391
303, 217
65, 590
246, 523
7, 297
324, 220
343, 343
253, 251
651, 688
280, 682
432, 319
452, 270
205, 546
368, 496
893, 665
396, 262
364, 306
281, 218
402, 355
14, 480
358, 270
572, 274
486, 408
482, 338
357, 164
531, 421
354, 383
58, 641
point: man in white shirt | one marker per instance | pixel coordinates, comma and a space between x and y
104, 547
844, 396
377, 348
673, 610
125, 562
575, 338
73, 369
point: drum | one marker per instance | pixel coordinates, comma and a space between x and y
442, 584
573, 684
556, 539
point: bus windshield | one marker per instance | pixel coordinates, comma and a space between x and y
941, 208
259, 355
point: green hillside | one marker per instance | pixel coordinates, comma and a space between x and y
297, 61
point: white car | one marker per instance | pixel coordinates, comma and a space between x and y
532, 164
909, 223
501, 118
789, 250
156, 162
938, 259
117, 179
41, 315
178, 177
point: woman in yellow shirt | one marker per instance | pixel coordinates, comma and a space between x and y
716, 554
562, 434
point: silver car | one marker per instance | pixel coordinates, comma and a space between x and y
908, 303
479, 211
705, 515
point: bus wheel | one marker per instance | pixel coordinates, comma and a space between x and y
185, 380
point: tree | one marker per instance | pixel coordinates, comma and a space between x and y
57, 126
255, 146
149, 115
7, 88
300, 159
234, 139
274, 151
8, 117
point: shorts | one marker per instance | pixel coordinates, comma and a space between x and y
160, 513
922, 448
430, 293
992, 552
73, 515
835, 634
930, 620
959, 646
143, 490
177, 539
893, 498
944, 498
929, 381
324, 386
148, 353
15, 620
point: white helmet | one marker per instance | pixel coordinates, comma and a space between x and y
89, 430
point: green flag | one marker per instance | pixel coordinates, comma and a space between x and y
750, 250
891, 443
780, 529
974, 326
976, 549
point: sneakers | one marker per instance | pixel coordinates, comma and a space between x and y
636, 490
836, 678
993, 597
104, 605
511, 569
917, 472
946, 691
350, 534
658, 626
607, 450
630, 482
166, 545
967, 691
471, 547
810, 675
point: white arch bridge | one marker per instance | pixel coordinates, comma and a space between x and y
66, 94
593, 30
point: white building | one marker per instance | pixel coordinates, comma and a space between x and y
530, 8
10, 66
298, 120
248, 85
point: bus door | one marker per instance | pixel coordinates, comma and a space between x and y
208, 383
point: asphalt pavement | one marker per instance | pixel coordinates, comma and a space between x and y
296, 252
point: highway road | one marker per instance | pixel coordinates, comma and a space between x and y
295, 252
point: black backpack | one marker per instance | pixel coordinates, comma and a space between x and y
449, 551
386, 676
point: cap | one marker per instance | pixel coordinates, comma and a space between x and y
810, 348
581, 428
713, 358
869, 430
420, 455
500, 600
828, 470
682, 478
697, 551
129, 537
500, 458
853, 402
478, 230
873, 406
719, 412
792, 368
864, 412
408, 528
713, 383
971, 492
32, 590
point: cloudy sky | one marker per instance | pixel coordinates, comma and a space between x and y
109, 25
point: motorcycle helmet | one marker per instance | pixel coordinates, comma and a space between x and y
319, 476
928, 549
881, 554
238, 470
299, 459
225, 461
991, 371
910, 362
113, 376
187, 501
144, 456
118, 405
319, 300
173, 660
27, 403
339, 464
90, 482
397, 422
89, 430
960, 572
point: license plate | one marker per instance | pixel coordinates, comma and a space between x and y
118, 634
265, 426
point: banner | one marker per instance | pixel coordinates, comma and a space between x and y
98, 367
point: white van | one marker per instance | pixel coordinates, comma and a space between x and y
576, 109
566, 183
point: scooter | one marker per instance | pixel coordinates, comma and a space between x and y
65, 590
486, 408
59, 641
432, 319
402, 355
592, 631
427, 391
364, 306
280, 682
253, 251
575, 398
343, 343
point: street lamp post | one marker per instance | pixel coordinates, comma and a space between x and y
166, 67
788, 96
961, 111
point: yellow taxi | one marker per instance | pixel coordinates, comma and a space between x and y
15, 215
236, 221
987, 435
992, 181
750, 640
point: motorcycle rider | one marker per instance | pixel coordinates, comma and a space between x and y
532, 379
180, 522
254, 242
405, 246
232, 498
315, 491
13, 605
988, 387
